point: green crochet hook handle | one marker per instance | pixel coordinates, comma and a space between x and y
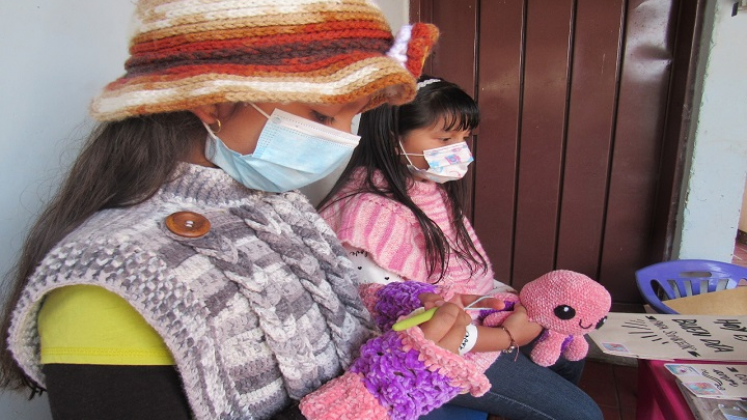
427, 315
414, 320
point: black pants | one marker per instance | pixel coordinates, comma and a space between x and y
104, 392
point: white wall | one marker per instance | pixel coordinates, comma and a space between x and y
718, 167
396, 11
743, 215
56, 54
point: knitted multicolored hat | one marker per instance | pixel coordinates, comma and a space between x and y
187, 53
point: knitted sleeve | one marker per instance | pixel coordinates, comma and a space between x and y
388, 303
387, 230
399, 375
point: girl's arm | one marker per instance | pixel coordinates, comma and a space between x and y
503, 329
516, 330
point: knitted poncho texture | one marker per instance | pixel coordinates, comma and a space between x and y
262, 309
391, 234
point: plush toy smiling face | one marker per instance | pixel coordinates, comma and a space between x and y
566, 302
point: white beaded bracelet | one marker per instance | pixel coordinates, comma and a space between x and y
469, 340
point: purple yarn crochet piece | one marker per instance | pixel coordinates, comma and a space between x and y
563, 346
566, 343
400, 382
398, 299
485, 312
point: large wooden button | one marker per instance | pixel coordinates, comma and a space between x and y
188, 224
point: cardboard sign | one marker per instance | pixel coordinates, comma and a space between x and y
724, 302
669, 337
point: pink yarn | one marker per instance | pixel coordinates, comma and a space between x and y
347, 397
344, 398
482, 360
367, 292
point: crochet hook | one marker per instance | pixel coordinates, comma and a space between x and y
425, 316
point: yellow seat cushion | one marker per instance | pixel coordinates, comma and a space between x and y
90, 325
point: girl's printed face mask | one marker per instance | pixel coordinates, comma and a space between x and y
291, 152
447, 163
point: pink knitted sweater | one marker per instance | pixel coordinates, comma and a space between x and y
390, 233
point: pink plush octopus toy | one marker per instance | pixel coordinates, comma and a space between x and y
567, 305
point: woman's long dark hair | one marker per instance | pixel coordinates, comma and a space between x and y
123, 163
379, 151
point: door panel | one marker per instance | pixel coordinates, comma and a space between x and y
641, 114
454, 57
500, 95
547, 34
591, 118
575, 96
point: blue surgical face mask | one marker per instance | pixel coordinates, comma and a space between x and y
291, 152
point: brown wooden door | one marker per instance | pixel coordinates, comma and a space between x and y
578, 154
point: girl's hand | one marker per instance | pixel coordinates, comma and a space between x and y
448, 325
523, 330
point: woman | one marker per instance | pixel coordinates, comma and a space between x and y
178, 274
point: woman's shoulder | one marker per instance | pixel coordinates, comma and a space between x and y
140, 224
126, 238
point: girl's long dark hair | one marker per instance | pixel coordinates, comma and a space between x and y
380, 130
122, 163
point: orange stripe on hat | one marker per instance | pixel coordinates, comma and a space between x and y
186, 53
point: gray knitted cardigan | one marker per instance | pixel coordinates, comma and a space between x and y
262, 309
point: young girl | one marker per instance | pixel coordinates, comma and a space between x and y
398, 209
178, 274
